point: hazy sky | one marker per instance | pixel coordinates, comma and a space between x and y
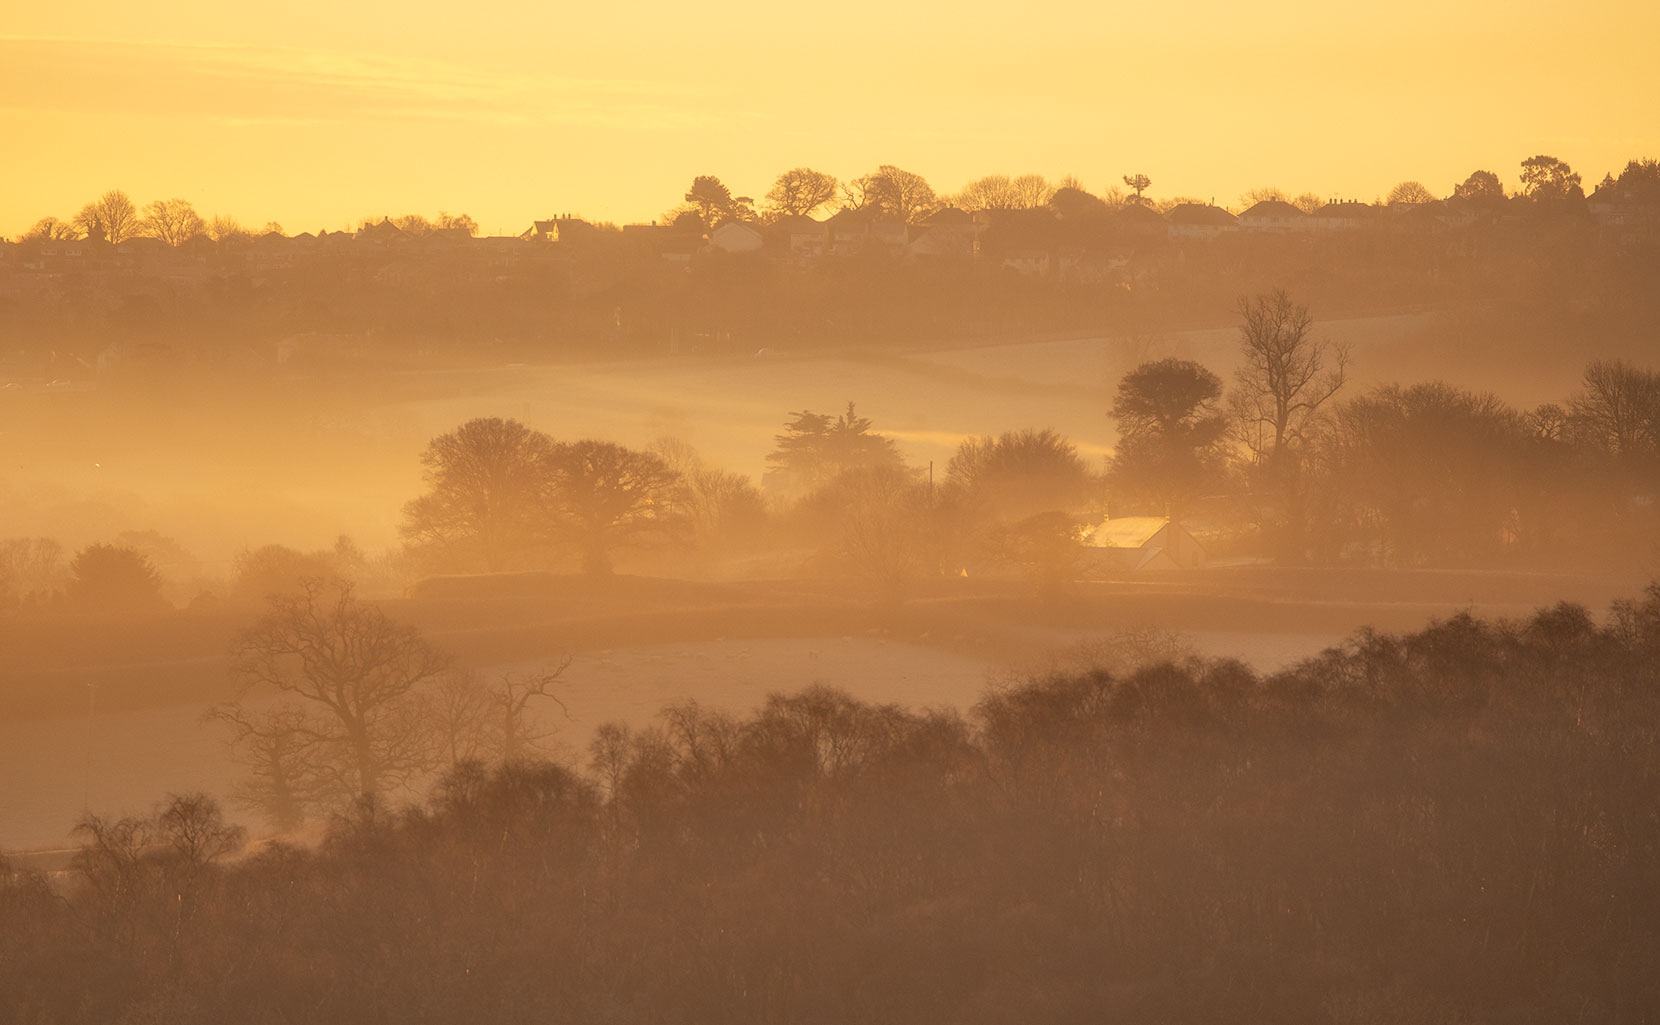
315, 114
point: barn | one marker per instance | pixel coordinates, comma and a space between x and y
1144, 543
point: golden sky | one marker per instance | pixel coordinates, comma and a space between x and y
316, 114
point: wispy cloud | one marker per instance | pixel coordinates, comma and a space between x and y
235, 84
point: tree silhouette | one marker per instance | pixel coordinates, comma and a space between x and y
1411, 193
1140, 183
894, 192
1021, 474
1263, 194
1425, 474
50, 229
1286, 375
1170, 431
608, 497
487, 500
1547, 179
110, 218
174, 221
456, 222
353, 724
223, 228
114, 579
816, 447
1617, 409
1480, 185
801, 190
712, 200
1070, 202
31, 568
479, 722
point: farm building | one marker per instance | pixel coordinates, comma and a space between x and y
1145, 543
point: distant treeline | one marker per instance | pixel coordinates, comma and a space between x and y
889, 191
1456, 825
1279, 463
123, 290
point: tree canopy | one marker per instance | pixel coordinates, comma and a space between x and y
800, 191
816, 447
1547, 179
487, 499
1170, 433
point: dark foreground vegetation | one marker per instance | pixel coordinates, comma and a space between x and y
1457, 825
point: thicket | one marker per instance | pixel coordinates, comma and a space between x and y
1454, 825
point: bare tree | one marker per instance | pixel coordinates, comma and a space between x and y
1263, 194
111, 218
280, 752
1618, 409
174, 221
478, 722
224, 227
30, 568
894, 191
350, 676
992, 192
1410, 193
195, 831
413, 224
883, 530
1031, 191
1139, 182
50, 229
1286, 374
801, 190
456, 222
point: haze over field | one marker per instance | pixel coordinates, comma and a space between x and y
876, 514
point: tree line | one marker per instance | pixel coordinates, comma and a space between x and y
1451, 825
1277, 462
114, 218
889, 190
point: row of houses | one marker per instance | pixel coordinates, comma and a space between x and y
259, 254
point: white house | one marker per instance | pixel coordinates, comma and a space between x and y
1274, 215
1145, 543
735, 237
1199, 220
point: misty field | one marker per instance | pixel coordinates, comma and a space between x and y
108, 716
220, 464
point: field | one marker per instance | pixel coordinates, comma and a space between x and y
107, 716
115, 723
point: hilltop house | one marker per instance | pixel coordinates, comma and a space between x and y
1627, 214
1274, 215
1199, 220
1341, 217
806, 238
735, 237
1135, 222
